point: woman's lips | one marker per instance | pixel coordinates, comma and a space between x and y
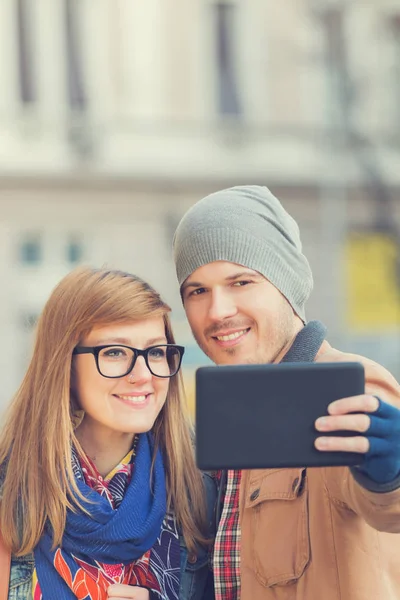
134, 400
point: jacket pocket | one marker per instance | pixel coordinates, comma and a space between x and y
279, 528
194, 573
196, 577
21, 577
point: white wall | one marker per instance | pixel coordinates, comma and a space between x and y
153, 141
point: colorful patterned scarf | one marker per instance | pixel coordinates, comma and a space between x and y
87, 564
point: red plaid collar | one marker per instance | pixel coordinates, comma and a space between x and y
114, 484
226, 559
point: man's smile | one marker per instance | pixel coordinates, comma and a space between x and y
230, 338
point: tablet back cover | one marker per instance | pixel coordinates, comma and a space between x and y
262, 416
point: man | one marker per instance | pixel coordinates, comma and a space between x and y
290, 534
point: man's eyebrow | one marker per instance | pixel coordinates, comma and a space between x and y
238, 275
189, 284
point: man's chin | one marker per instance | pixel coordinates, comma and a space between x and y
227, 357
238, 358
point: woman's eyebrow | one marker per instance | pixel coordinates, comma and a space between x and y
127, 342
111, 340
158, 340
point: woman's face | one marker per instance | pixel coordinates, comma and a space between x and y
128, 404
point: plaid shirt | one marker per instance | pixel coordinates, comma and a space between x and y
226, 559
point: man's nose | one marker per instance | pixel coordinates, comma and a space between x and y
222, 305
140, 371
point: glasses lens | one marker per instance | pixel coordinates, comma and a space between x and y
164, 361
115, 361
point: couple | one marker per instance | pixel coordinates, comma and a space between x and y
98, 425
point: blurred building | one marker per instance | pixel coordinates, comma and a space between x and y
116, 116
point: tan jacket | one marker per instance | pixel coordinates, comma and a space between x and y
318, 534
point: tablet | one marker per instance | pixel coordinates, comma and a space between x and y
262, 416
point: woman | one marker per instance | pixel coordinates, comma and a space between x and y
100, 494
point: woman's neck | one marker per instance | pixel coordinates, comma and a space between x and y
104, 447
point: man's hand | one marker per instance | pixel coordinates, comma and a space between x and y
379, 424
125, 592
343, 418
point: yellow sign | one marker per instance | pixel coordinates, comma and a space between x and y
372, 281
190, 391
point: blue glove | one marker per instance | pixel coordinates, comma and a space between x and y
382, 461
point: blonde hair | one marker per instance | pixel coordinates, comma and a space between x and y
35, 445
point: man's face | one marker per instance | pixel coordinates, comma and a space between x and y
237, 316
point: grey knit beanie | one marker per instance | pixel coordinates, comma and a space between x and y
246, 225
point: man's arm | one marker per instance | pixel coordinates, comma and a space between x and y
381, 510
373, 489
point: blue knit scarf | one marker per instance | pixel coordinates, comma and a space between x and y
105, 535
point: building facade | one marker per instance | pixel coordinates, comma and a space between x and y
117, 116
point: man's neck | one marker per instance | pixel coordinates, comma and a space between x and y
298, 326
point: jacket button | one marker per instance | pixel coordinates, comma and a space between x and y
192, 558
295, 483
255, 495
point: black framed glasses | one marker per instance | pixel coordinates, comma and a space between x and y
114, 361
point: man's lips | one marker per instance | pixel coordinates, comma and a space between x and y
231, 336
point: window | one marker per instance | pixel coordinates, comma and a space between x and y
226, 47
75, 78
29, 321
30, 251
336, 63
27, 88
394, 77
74, 250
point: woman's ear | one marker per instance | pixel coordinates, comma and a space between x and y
72, 384
77, 418
77, 413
